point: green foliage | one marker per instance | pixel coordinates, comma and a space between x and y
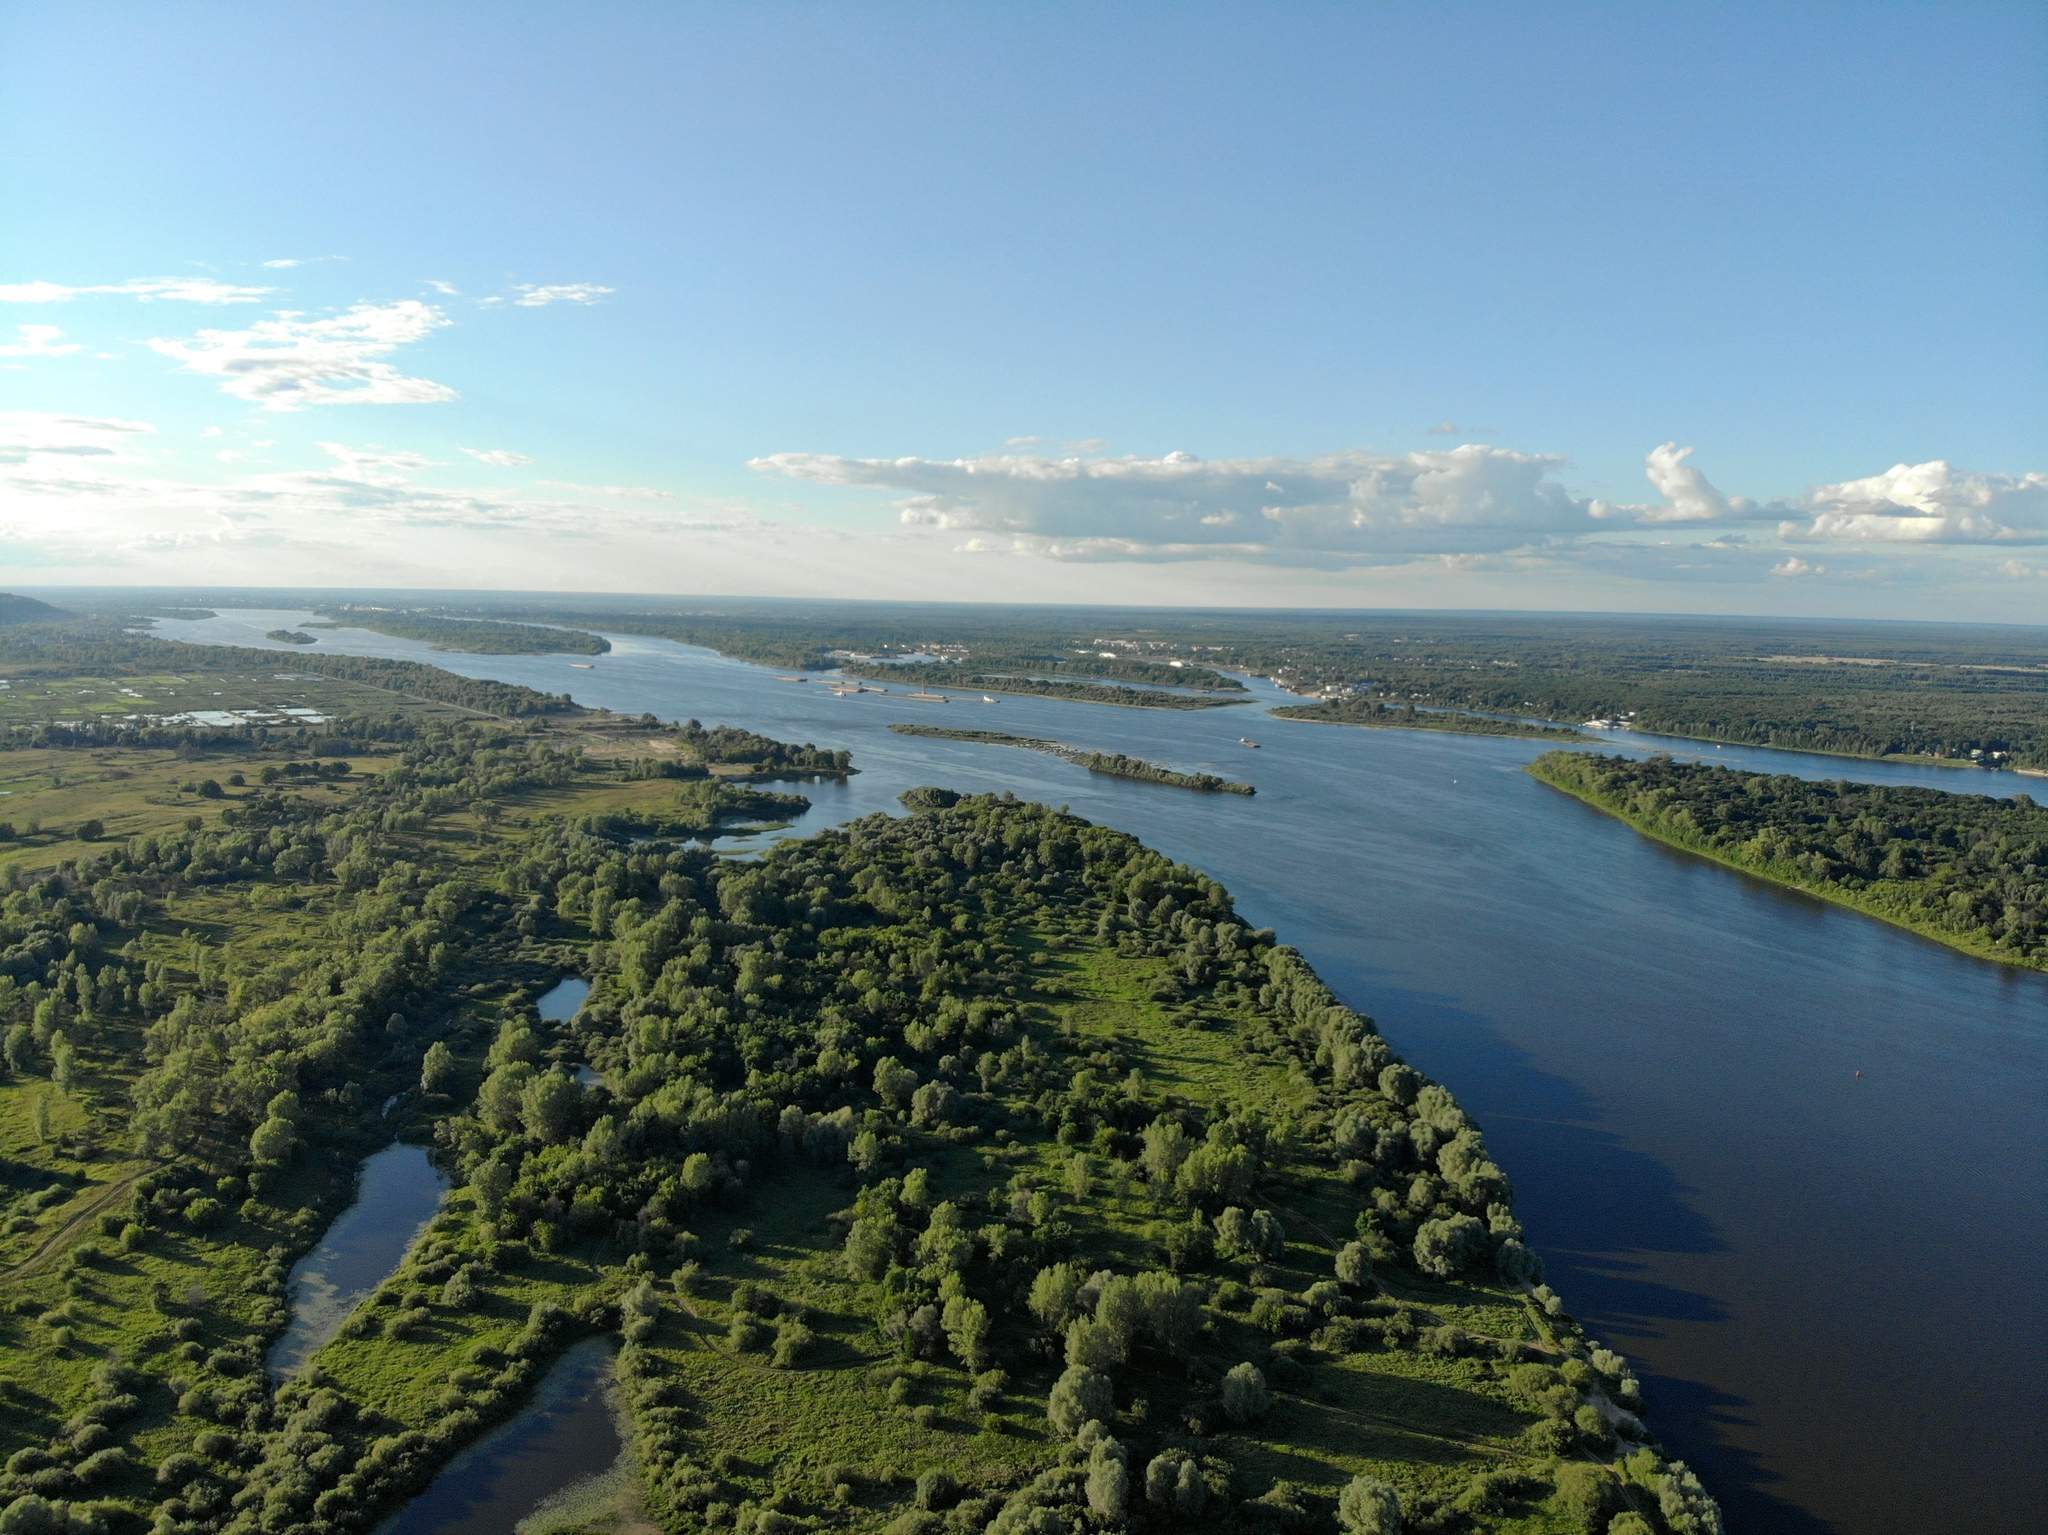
1963, 868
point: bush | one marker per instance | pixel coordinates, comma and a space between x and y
1585, 1493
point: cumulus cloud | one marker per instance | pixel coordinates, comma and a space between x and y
1688, 495
1930, 503
190, 290
1342, 506
290, 361
532, 296
504, 458
39, 341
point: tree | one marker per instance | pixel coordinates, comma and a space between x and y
274, 1142
870, 1247
1354, 1264
967, 1325
1079, 1396
19, 1048
91, 831
894, 1081
1052, 1295
547, 1108
1166, 1147
1447, 1247
1234, 1237
492, 1182
1369, 1507
41, 1112
1269, 1237
1400, 1083
62, 1060
437, 1070
497, 1101
1173, 1310
1091, 1343
1109, 1481
1245, 1396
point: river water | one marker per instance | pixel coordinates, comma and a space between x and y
397, 1193
562, 1456
1829, 1280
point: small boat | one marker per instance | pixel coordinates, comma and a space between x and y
792, 679
1248, 741
986, 699
929, 698
581, 666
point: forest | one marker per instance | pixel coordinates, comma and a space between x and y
993, 1124
478, 636
1967, 695
1966, 869
1386, 716
1110, 764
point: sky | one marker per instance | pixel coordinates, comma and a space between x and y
1678, 307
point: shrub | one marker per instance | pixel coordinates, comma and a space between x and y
1354, 1264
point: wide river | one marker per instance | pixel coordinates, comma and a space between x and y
1787, 1157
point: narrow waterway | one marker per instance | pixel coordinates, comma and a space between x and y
562, 1460
1830, 1279
397, 1194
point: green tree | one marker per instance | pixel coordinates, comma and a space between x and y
274, 1142
1079, 1396
437, 1069
967, 1327
1369, 1507
547, 1107
1444, 1248
1245, 1396
1052, 1295
1354, 1264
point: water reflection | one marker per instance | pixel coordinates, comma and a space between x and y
560, 1460
398, 1193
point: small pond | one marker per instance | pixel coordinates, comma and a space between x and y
562, 1461
564, 1000
397, 1195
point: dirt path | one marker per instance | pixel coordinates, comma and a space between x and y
48, 1249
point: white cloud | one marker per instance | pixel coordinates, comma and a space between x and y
27, 436
1688, 495
191, 290
1444, 429
39, 341
1022, 442
1792, 565
504, 458
447, 288
1930, 503
286, 261
290, 362
1347, 506
533, 297
630, 492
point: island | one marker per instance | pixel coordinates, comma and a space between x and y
1112, 764
1962, 869
292, 637
1364, 711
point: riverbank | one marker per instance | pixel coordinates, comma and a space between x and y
1939, 864
1112, 764
960, 680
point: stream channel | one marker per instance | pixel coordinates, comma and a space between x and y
1787, 1157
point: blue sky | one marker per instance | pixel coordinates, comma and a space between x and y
1383, 305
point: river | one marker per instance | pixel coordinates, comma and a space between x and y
1829, 1280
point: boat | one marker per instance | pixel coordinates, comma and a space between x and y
1248, 741
792, 679
581, 666
929, 698
986, 699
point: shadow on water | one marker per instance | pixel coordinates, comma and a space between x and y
561, 1458
397, 1194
